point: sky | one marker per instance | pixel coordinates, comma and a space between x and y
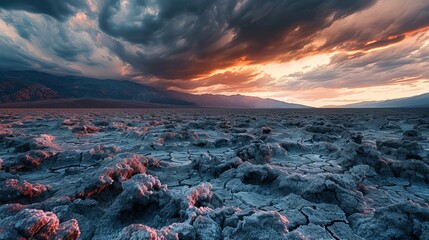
313, 52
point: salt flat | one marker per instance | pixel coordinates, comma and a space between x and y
214, 174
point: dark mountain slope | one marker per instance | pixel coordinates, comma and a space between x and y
28, 86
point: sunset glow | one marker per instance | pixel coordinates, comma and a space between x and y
333, 54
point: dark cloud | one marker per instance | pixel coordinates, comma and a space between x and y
53, 37
387, 22
17, 58
190, 38
59, 10
36, 42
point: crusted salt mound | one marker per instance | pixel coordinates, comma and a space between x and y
20, 190
356, 154
25, 144
103, 151
32, 159
68, 230
402, 149
197, 196
123, 169
193, 202
6, 132
85, 130
207, 228
266, 130
326, 129
210, 167
413, 134
174, 232
37, 224
415, 170
242, 139
138, 231
341, 190
257, 153
406, 220
193, 206
357, 137
31, 222
179, 231
205, 164
295, 147
261, 225
28, 161
141, 191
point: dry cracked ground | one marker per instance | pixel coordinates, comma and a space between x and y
214, 174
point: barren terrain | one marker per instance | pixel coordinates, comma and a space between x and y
214, 174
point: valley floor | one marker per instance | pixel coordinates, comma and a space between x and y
214, 174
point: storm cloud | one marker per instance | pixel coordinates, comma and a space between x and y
187, 39
59, 10
219, 45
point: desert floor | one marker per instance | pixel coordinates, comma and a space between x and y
214, 174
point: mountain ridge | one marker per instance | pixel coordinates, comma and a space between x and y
418, 101
30, 86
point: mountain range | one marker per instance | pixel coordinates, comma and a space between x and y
37, 89
418, 101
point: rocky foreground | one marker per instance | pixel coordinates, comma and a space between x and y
214, 174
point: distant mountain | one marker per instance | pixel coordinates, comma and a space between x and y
408, 102
234, 101
84, 103
42, 88
17, 86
